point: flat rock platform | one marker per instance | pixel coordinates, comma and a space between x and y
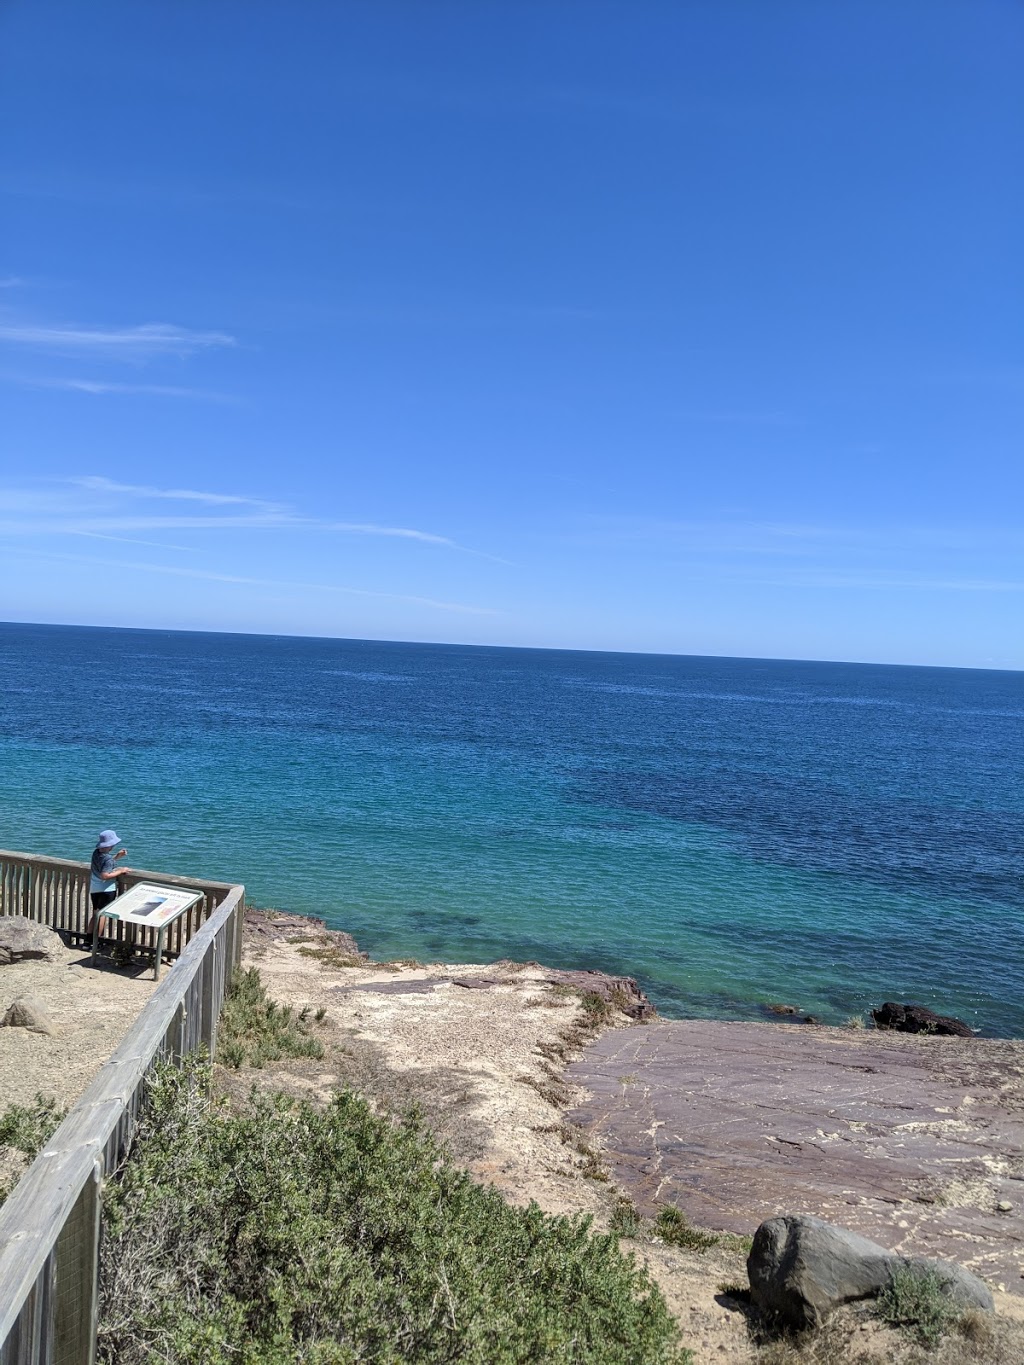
915, 1142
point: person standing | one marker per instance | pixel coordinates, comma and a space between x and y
103, 874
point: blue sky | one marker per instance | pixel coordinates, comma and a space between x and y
684, 327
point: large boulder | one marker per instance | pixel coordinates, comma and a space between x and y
22, 938
918, 1019
29, 1012
801, 1268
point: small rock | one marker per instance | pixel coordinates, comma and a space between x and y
1004, 1206
22, 939
781, 1009
29, 1012
811, 1019
918, 1019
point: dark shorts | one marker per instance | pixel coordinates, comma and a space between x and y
101, 899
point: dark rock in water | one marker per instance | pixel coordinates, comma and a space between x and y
801, 1268
22, 938
811, 1019
917, 1019
781, 1009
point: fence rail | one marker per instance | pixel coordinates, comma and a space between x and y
50, 1227
55, 891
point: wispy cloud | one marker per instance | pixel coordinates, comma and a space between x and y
102, 387
111, 506
814, 556
142, 342
402, 532
98, 484
889, 583
286, 585
10, 281
132, 540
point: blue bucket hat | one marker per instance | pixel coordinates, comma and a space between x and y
107, 839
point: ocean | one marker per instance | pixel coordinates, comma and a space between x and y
732, 832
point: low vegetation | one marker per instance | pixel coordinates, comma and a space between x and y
24, 1129
282, 1233
916, 1300
255, 1030
672, 1227
330, 956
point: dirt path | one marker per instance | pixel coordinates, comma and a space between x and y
92, 1009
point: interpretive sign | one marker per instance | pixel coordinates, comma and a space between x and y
151, 907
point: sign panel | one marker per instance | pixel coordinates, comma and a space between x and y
150, 905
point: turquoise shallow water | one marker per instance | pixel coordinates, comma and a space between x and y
732, 832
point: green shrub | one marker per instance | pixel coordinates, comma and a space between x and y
257, 1030
917, 1300
673, 1228
25, 1129
285, 1233
625, 1220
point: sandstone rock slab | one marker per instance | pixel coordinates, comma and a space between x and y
913, 1142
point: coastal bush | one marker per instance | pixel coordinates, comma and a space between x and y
283, 1233
255, 1029
625, 1220
917, 1300
673, 1228
24, 1130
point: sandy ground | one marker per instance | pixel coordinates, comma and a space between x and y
91, 1007
485, 1061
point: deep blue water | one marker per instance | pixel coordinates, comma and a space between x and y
731, 831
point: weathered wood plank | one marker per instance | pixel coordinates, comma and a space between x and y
36, 1304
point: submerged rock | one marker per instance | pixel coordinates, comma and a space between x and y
918, 1019
801, 1268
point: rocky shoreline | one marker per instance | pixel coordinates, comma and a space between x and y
912, 1141
564, 1087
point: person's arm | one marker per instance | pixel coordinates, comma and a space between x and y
114, 872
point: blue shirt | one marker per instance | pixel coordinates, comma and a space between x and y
102, 861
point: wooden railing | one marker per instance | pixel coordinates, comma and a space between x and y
55, 891
50, 1226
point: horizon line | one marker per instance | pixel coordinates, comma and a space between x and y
537, 649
